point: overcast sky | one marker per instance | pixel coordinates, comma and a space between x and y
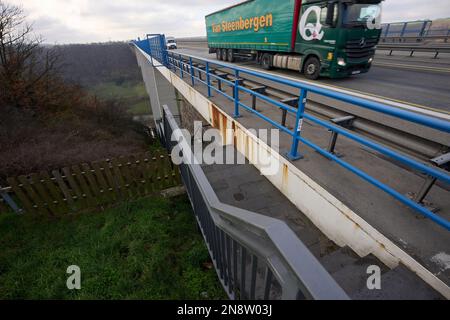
70, 21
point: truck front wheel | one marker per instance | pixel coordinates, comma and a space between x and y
311, 69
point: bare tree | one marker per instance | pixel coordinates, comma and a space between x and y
26, 67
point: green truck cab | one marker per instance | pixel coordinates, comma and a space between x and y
326, 38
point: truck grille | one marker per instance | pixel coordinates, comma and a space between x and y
358, 49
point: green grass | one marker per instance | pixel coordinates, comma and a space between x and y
133, 94
126, 90
142, 107
148, 249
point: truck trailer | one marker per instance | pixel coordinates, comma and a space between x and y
325, 38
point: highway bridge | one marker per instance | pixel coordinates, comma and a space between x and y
418, 81
358, 179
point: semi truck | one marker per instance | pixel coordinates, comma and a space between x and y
325, 38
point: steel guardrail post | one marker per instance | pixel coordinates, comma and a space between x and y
208, 79
192, 71
236, 95
293, 154
181, 66
165, 52
150, 51
387, 30
403, 30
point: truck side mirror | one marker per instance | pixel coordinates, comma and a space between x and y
330, 14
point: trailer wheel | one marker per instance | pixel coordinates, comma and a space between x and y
311, 69
218, 54
224, 55
266, 61
230, 55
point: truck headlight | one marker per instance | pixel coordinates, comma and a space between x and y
341, 62
370, 60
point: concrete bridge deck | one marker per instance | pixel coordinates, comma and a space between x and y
241, 185
418, 236
373, 213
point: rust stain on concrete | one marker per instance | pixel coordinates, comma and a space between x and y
285, 177
233, 129
215, 117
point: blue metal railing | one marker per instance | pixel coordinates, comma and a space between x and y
409, 28
183, 64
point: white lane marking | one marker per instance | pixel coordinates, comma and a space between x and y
411, 66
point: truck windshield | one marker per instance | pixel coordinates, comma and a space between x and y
170, 41
360, 14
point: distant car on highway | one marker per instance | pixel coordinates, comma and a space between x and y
171, 43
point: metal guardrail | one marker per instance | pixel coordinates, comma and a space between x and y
183, 64
255, 256
414, 48
392, 43
412, 39
418, 28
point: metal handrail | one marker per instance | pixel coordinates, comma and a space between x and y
414, 48
426, 37
232, 232
176, 62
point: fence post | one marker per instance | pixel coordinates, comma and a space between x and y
208, 80
192, 71
293, 154
10, 201
236, 95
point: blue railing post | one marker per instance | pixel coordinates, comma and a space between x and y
208, 79
293, 154
181, 66
192, 71
236, 94
387, 30
165, 52
404, 29
150, 53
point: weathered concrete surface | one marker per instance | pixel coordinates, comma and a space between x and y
242, 185
160, 91
422, 237
372, 205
